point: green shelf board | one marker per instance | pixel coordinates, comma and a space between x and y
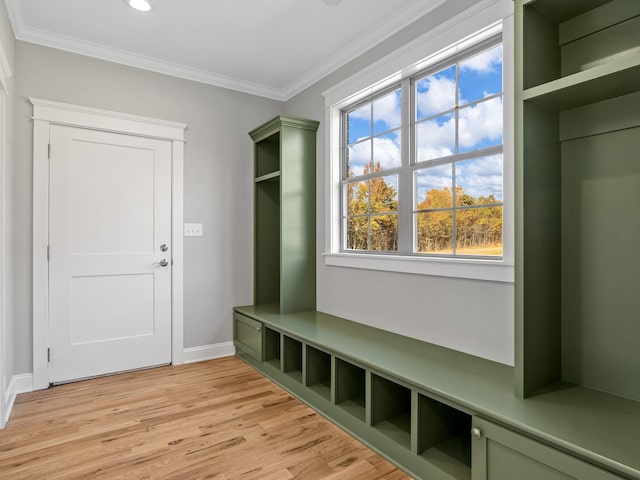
354, 407
609, 80
450, 457
268, 176
322, 389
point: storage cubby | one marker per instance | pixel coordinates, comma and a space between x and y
578, 184
577, 52
391, 409
351, 388
292, 358
272, 347
267, 242
444, 438
267, 153
318, 372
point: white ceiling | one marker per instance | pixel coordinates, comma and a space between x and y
272, 48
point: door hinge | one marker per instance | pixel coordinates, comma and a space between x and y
48, 355
49, 151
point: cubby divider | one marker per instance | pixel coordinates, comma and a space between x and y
351, 388
391, 409
292, 358
272, 348
318, 372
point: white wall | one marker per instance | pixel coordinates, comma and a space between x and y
218, 171
6, 262
472, 316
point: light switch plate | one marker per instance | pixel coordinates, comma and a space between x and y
192, 229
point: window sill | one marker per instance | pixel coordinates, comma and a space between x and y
480, 269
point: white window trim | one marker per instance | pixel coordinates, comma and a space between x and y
475, 24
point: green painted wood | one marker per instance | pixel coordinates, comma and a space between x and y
350, 388
616, 41
285, 221
538, 293
501, 454
541, 53
592, 425
559, 12
292, 358
271, 347
267, 242
416, 466
318, 371
601, 227
597, 19
248, 335
391, 409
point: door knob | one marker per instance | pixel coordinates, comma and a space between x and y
163, 247
162, 263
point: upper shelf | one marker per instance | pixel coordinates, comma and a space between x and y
612, 79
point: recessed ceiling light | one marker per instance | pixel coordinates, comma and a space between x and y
140, 5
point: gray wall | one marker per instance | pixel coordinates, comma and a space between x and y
472, 316
7, 345
218, 172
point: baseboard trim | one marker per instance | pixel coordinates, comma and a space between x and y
22, 383
209, 352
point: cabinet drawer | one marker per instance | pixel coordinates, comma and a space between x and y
500, 454
248, 335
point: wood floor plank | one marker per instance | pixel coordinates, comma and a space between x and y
216, 420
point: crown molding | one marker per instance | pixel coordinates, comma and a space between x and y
389, 27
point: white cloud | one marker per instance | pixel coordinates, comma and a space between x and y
480, 122
435, 140
386, 151
481, 177
439, 96
485, 62
387, 109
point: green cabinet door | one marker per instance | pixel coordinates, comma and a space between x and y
500, 454
247, 336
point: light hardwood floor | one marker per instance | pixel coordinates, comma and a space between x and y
217, 420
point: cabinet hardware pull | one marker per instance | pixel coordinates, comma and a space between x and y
476, 433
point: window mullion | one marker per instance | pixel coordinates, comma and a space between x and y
405, 184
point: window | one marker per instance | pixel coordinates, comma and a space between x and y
421, 161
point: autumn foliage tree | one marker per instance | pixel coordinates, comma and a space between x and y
372, 219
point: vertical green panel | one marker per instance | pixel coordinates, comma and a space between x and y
298, 290
601, 228
538, 295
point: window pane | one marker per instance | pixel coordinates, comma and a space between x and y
434, 187
480, 125
359, 124
436, 93
384, 194
479, 231
384, 233
387, 112
386, 151
481, 75
436, 138
357, 195
357, 233
479, 181
434, 231
359, 159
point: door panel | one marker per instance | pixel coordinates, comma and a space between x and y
110, 212
501, 454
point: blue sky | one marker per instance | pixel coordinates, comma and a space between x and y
479, 125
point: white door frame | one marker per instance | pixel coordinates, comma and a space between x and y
46, 113
5, 396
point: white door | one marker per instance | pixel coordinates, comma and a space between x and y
110, 253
